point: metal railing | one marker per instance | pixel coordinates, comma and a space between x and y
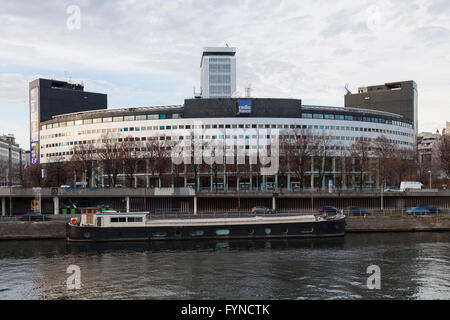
43, 217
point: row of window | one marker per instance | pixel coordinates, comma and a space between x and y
216, 89
246, 146
126, 219
225, 126
216, 67
111, 119
219, 78
354, 118
177, 116
226, 232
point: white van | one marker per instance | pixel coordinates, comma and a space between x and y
415, 185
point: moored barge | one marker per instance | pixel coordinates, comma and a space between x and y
142, 226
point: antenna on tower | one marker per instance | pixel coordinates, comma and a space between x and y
248, 91
346, 88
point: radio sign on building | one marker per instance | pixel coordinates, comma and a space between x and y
244, 107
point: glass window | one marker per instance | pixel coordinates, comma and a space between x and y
96, 120
267, 231
117, 119
223, 232
157, 234
114, 219
152, 116
78, 122
55, 125
197, 233
318, 116
141, 117
107, 119
128, 118
175, 116
162, 116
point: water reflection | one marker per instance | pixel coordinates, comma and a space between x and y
413, 266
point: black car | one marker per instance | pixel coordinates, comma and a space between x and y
356, 211
33, 216
429, 207
329, 210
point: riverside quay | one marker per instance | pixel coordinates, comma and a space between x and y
187, 200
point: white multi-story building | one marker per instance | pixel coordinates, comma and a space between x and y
218, 72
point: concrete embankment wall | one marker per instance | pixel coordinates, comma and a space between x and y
18, 230
387, 224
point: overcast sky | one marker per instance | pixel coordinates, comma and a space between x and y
144, 53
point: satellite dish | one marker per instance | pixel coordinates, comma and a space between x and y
236, 94
346, 88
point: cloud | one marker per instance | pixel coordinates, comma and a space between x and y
301, 49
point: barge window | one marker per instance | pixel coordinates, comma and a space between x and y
223, 232
114, 219
130, 219
138, 219
197, 233
267, 230
159, 234
124, 219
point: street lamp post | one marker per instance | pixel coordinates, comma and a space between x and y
429, 171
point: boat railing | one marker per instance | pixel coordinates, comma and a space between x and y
218, 214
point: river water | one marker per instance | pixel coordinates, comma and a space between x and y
412, 266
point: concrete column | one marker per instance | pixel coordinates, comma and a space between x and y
343, 171
195, 204
3, 206
147, 170
93, 176
135, 176
323, 170
56, 205
334, 172
127, 200
312, 172
273, 203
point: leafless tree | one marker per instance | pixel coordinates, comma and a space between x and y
444, 154
361, 151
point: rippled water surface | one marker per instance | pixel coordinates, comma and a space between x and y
413, 266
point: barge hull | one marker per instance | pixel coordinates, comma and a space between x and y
327, 228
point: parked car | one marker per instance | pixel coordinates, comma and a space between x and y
33, 216
417, 210
329, 210
429, 207
391, 189
263, 210
356, 211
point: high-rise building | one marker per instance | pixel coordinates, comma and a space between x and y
49, 98
446, 130
396, 97
218, 72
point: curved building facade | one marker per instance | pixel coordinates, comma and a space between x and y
251, 124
